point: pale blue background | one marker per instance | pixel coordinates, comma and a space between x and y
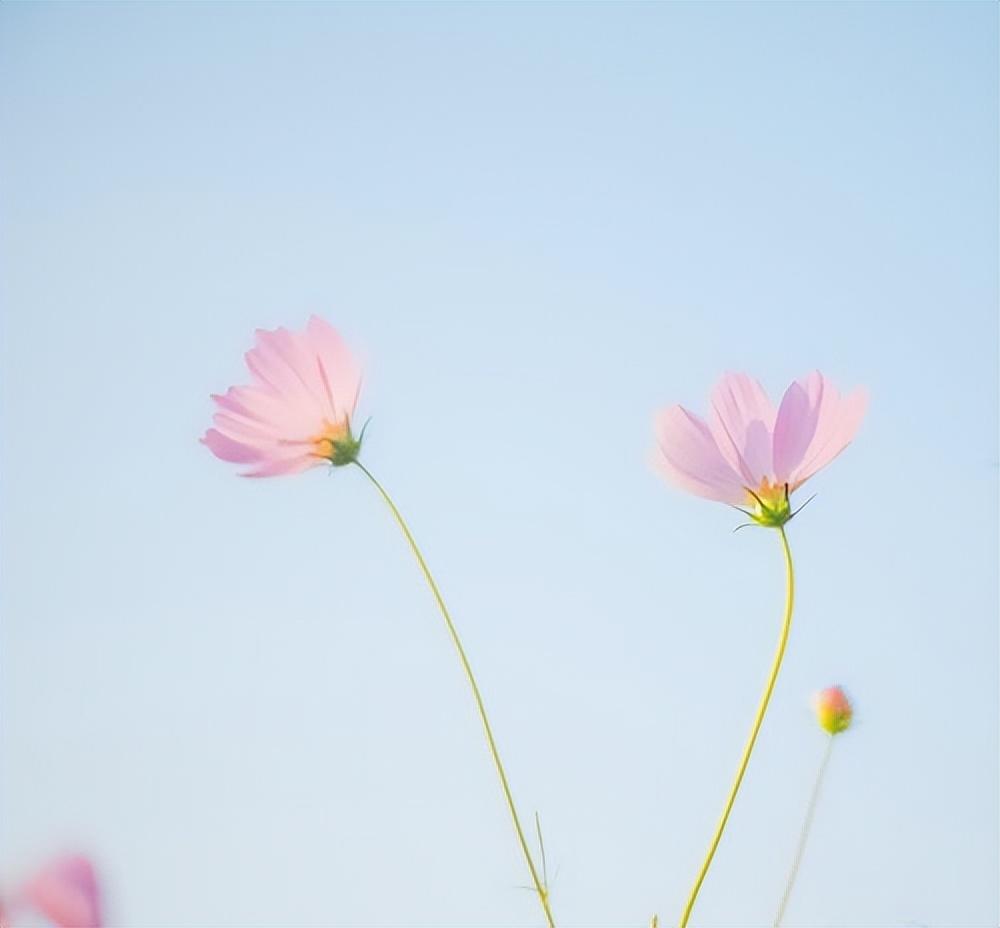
538, 223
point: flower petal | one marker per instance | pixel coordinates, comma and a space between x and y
742, 420
839, 421
281, 468
228, 449
66, 893
250, 434
300, 352
265, 460
690, 458
275, 372
277, 414
339, 372
796, 424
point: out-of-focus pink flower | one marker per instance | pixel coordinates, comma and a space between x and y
748, 453
64, 892
833, 710
297, 413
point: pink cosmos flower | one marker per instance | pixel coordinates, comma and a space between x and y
297, 413
64, 893
748, 453
833, 710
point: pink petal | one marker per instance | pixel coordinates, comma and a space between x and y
66, 894
281, 468
690, 458
796, 424
268, 458
240, 400
257, 435
298, 366
336, 366
228, 449
280, 415
742, 420
274, 373
839, 423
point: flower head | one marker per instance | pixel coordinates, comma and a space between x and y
748, 453
833, 710
298, 411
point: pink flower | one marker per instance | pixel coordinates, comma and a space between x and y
64, 892
833, 709
297, 413
748, 454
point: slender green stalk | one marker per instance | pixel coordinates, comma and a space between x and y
786, 626
804, 835
540, 887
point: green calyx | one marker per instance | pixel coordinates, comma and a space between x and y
773, 513
344, 449
772, 509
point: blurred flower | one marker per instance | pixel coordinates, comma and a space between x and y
748, 454
833, 709
297, 413
64, 892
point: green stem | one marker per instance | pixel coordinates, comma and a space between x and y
804, 835
786, 626
540, 888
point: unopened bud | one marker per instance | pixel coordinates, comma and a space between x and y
833, 710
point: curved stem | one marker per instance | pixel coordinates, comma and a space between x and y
757, 722
540, 887
804, 835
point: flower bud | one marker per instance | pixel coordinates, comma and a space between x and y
833, 710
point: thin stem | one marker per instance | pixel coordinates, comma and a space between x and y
804, 835
540, 888
786, 626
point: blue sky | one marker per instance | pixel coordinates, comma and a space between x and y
538, 223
